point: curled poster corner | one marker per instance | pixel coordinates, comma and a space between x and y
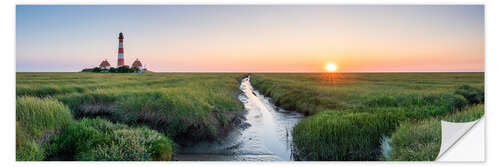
451, 132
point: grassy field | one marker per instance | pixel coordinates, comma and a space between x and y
372, 116
180, 106
101, 140
421, 140
352, 113
36, 120
45, 130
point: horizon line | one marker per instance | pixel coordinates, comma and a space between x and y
271, 72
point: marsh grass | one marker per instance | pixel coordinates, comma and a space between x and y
307, 93
350, 118
188, 106
98, 140
342, 135
181, 106
36, 120
421, 140
45, 130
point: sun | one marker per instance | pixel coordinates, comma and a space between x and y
331, 67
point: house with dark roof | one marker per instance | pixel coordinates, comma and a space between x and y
105, 65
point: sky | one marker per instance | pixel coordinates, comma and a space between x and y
252, 38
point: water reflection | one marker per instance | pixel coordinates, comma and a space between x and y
265, 135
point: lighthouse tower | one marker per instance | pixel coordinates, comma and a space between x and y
121, 60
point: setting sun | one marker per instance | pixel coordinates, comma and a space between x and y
331, 67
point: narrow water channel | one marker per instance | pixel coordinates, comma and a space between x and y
264, 136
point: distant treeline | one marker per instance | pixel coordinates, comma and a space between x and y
122, 69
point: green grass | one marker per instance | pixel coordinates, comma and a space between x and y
101, 140
310, 93
36, 120
348, 119
342, 135
45, 130
180, 106
194, 106
421, 141
353, 112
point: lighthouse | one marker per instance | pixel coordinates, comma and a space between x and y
121, 59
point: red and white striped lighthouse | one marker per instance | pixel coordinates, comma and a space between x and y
121, 60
